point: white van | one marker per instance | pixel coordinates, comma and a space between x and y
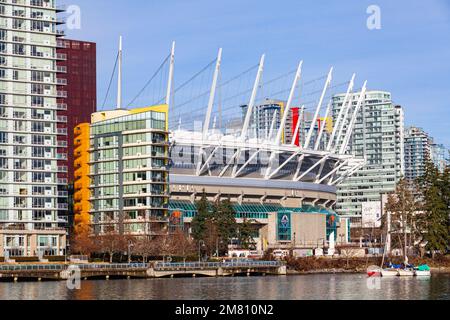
280, 254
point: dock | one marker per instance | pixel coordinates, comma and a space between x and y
61, 272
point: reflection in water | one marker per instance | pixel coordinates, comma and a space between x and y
327, 287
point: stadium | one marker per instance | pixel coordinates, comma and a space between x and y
269, 146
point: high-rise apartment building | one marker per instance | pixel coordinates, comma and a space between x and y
440, 155
31, 201
80, 82
417, 152
127, 172
379, 138
266, 118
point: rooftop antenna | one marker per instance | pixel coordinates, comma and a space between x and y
119, 77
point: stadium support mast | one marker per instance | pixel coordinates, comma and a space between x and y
341, 114
248, 117
171, 73
343, 122
212, 96
298, 76
361, 100
322, 128
119, 76
319, 106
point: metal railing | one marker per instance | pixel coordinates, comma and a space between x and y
114, 266
227, 264
46, 267
62, 267
140, 266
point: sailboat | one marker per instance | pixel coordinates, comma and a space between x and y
422, 271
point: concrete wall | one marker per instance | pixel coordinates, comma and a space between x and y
310, 229
307, 231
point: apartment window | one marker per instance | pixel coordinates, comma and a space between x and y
3, 163
2, 61
2, 73
19, 49
3, 137
37, 76
37, 101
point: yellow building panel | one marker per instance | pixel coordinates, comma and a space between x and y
82, 181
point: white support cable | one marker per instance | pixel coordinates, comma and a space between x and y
212, 96
297, 78
253, 156
271, 175
319, 106
201, 153
319, 174
299, 166
171, 75
322, 128
348, 174
251, 104
206, 164
325, 158
339, 167
119, 76
341, 113
297, 127
224, 170
361, 100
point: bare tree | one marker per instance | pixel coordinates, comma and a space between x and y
146, 247
111, 243
182, 245
83, 243
404, 206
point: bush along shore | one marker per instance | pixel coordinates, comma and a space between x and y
318, 265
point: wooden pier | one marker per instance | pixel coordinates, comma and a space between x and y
60, 272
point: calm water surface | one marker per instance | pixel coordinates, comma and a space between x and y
334, 287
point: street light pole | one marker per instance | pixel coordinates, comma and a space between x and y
200, 244
217, 248
130, 244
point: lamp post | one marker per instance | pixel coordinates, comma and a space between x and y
130, 245
217, 248
201, 244
342, 238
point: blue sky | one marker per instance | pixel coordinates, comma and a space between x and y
409, 56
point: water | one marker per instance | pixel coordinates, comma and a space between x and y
308, 287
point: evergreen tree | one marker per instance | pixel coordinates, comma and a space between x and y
199, 222
245, 235
225, 217
435, 195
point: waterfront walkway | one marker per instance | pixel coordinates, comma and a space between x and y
17, 272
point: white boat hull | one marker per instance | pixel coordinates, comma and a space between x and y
389, 273
406, 273
423, 273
